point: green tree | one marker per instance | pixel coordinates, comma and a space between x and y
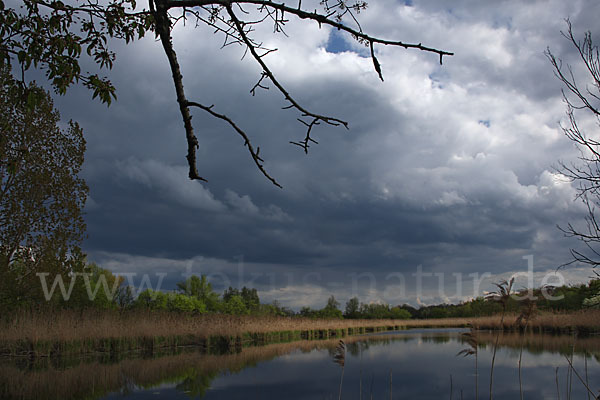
183, 303
94, 287
125, 297
275, 309
235, 306
399, 313
152, 299
53, 35
331, 309
352, 308
306, 312
332, 303
201, 289
251, 299
229, 293
41, 195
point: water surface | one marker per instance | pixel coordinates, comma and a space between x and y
411, 364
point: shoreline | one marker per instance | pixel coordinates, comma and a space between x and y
70, 333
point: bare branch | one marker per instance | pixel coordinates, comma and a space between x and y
237, 31
253, 153
266, 71
163, 30
319, 18
587, 172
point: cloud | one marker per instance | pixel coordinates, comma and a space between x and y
243, 204
170, 182
449, 167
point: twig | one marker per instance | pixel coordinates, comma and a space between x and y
255, 154
579, 377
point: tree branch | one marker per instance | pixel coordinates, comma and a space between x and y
163, 29
266, 71
254, 154
319, 18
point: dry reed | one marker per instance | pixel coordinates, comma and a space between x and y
585, 321
66, 326
69, 326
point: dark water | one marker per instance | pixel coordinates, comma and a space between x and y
414, 364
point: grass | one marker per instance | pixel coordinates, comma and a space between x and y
68, 325
69, 332
76, 332
585, 321
534, 342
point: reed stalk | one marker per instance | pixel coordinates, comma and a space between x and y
504, 289
340, 359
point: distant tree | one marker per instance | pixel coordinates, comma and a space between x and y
438, 312
583, 99
200, 288
41, 195
152, 300
306, 312
101, 286
331, 309
53, 35
332, 303
352, 308
411, 310
91, 287
235, 305
375, 311
229, 293
183, 303
177, 302
274, 309
126, 298
399, 313
251, 299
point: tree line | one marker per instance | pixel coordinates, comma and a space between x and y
564, 299
102, 290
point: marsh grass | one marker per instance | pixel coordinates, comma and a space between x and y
339, 358
95, 378
565, 345
67, 332
80, 332
583, 322
473, 350
527, 314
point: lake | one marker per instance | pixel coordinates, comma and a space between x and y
412, 364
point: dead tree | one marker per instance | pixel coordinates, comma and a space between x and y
582, 100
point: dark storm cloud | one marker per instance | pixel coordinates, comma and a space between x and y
417, 180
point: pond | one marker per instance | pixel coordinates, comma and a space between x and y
411, 364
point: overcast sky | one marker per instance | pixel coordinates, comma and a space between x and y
445, 169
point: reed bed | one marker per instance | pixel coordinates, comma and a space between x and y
69, 326
536, 342
582, 322
80, 332
67, 332
93, 378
